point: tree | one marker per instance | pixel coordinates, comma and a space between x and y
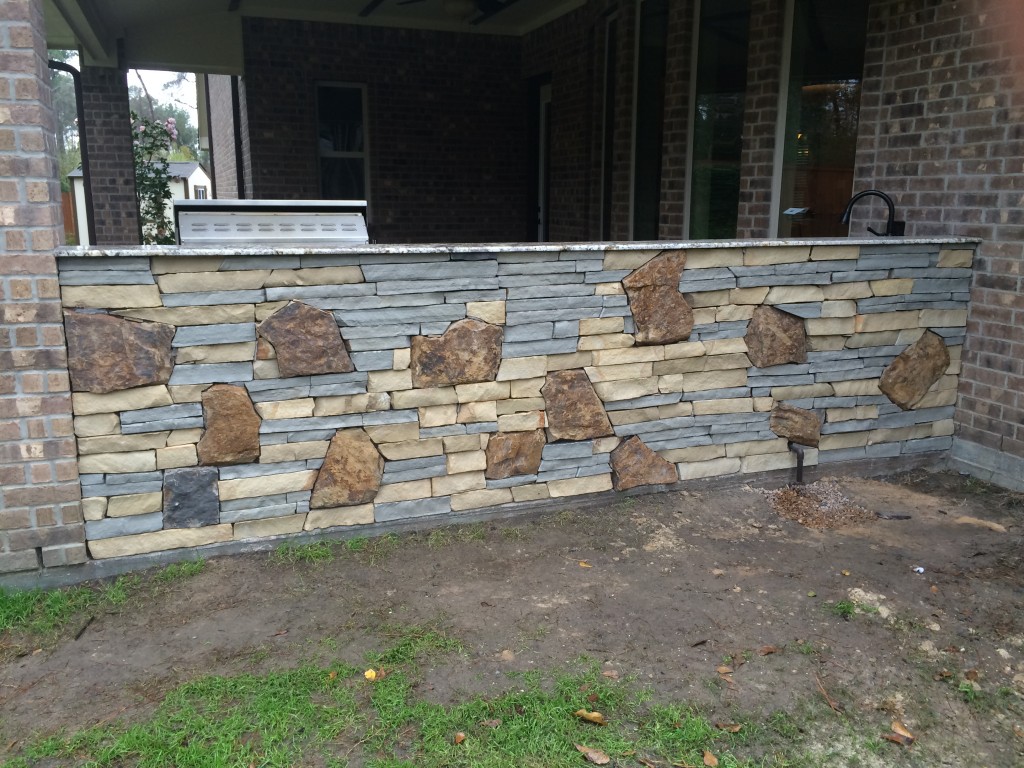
69, 154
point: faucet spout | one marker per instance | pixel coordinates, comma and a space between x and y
893, 228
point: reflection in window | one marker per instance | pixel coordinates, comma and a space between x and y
650, 117
720, 88
341, 142
822, 111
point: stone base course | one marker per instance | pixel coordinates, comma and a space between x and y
695, 407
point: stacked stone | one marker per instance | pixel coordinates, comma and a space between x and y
237, 397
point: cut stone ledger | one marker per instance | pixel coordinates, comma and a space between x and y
634, 464
908, 378
796, 424
232, 434
190, 497
467, 353
514, 453
108, 354
351, 472
307, 341
574, 410
775, 337
660, 313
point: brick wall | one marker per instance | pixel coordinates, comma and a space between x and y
445, 128
109, 135
675, 185
941, 129
761, 110
222, 136
40, 519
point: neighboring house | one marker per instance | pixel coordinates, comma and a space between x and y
189, 181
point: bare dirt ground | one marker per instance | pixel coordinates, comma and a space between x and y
713, 598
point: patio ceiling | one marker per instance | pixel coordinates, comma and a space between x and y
206, 35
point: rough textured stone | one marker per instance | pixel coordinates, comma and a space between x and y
190, 497
468, 352
633, 464
775, 337
351, 472
232, 433
107, 354
574, 411
661, 314
908, 378
796, 424
514, 453
307, 341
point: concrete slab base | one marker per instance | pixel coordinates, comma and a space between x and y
988, 464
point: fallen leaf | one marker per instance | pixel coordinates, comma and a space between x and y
935, 590
646, 763
968, 520
370, 674
485, 604
768, 650
897, 738
943, 675
490, 723
727, 679
729, 727
898, 727
1018, 732
595, 756
282, 633
585, 564
332, 676
591, 717
611, 674
593, 698
710, 760
971, 674
507, 656
724, 670
37, 651
846, 573
460, 737
699, 642
812, 593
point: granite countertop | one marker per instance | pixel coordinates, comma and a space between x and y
476, 248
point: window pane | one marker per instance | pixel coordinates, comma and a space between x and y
650, 113
718, 118
342, 178
822, 111
341, 119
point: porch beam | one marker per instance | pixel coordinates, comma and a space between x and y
372, 6
89, 27
493, 12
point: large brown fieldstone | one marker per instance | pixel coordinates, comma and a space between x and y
574, 410
909, 377
307, 341
796, 424
661, 314
468, 352
232, 433
351, 472
633, 464
775, 337
514, 453
107, 354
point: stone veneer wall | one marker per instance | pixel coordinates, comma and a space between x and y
568, 354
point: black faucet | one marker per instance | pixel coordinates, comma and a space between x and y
892, 228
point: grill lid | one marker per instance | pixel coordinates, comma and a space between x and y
301, 223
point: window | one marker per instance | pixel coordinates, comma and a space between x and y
199, 193
822, 107
341, 141
651, 55
720, 86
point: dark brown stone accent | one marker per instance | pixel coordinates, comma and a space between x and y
107, 354
468, 352
232, 433
634, 464
514, 453
796, 424
775, 337
574, 410
661, 314
351, 472
307, 341
908, 378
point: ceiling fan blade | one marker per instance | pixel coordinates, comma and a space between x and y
409, 2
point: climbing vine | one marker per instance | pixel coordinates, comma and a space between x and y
151, 142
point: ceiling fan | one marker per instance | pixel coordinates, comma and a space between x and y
464, 8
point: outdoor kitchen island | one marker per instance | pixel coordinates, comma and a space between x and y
226, 397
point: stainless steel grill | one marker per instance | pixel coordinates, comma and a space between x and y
270, 222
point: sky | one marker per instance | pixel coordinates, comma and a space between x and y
184, 96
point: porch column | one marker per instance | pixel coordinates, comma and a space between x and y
109, 135
40, 515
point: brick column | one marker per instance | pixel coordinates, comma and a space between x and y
109, 134
761, 112
40, 518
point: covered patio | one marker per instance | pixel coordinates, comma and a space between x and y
589, 121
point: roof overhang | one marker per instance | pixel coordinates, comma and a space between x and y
206, 35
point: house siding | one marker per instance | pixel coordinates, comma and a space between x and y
445, 124
942, 130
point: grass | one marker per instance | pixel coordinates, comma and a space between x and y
180, 571
315, 553
844, 609
331, 715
